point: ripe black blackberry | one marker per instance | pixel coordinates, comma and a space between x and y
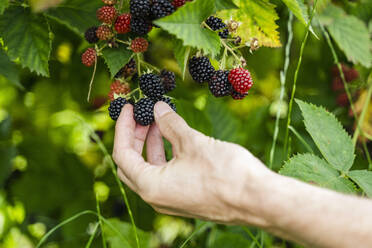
140, 8
144, 112
216, 24
90, 35
201, 69
168, 80
168, 101
151, 85
140, 26
238, 96
116, 106
219, 84
161, 8
128, 70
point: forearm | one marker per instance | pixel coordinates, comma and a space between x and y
313, 216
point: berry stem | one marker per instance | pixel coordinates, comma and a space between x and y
139, 61
231, 51
150, 66
92, 79
124, 42
223, 61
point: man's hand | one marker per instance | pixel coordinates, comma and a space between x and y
207, 178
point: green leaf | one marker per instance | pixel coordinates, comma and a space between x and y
229, 240
329, 136
116, 58
182, 54
27, 37
299, 9
185, 24
125, 234
194, 117
225, 4
350, 33
312, 169
225, 126
78, 15
3, 5
257, 21
8, 69
364, 180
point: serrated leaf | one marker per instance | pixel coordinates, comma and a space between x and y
116, 58
299, 9
8, 69
328, 134
41, 5
119, 234
78, 15
3, 5
181, 54
257, 21
225, 4
225, 126
364, 180
185, 24
312, 169
350, 34
27, 37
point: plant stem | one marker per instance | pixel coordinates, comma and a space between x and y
283, 75
91, 238
252, 236
193, 234
296, 77
92, 79
309, 149
100, 222
231, 51
150, 66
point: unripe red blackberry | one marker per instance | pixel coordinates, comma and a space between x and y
109, 2
104, 32
140, 26
219, 84
140, 8
238, 96
178, 3
107, 14
201, 69
90, 35
118, 88
168, 80
161, 8
89, 57
240, 79
337, 84
139, 45
122, 24
151, 85
116, 106
144, 112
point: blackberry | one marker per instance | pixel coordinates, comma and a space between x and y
178, 3
140, 8
122, 23
139, 45
238, 96
144, 112
161, 8
107, 14
219, 84
201, 69
104, 32
168, 80
140, 26
88, 58
90, 35
128, 70
151, 85
116, 106
168, 101
241, 80
216, 24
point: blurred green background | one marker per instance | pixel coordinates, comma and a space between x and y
51, 168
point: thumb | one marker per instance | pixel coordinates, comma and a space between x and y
172, 126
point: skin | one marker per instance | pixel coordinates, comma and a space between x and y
223, 182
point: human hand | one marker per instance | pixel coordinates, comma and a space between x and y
206, 179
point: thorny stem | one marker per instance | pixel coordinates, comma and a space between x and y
92, 79
296, 77
283, 75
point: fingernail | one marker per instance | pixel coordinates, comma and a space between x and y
161, 108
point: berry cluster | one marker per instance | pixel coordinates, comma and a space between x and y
216, 24
236, 82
